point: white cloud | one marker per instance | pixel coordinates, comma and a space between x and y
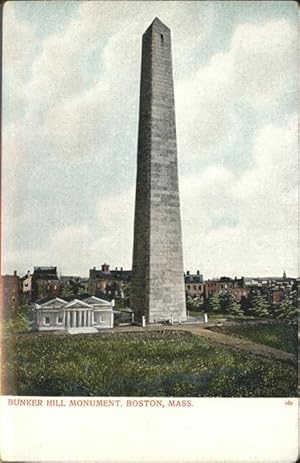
260, 206
76, 249
115, 218
257, 69
17, 53
264, 61
69, 112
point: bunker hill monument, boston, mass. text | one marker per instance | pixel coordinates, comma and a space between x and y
157, 275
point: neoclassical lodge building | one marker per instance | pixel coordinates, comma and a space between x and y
77, 316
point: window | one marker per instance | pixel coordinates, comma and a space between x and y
47, 320
60, 320
188, 287
161, 38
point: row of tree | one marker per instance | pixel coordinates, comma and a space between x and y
256, 305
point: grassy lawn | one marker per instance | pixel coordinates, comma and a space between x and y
281, 335
140, 364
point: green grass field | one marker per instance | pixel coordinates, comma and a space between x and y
140, 364
281, 335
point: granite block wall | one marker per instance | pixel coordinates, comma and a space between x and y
157, 274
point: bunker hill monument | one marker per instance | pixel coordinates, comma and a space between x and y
157, 272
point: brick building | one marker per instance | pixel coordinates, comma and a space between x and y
11, 292
224, 284
107, 282
43, 282
194, 285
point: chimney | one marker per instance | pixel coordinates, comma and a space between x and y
94, 268
15, 273
198, 272
188, 272
116, 268
121, 269
28, 273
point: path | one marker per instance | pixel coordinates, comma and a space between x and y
243, 344
220, 338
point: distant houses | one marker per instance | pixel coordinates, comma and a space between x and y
44, 287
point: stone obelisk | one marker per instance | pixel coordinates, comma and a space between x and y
157, 286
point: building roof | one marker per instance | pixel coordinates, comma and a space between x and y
93, 300
70, 277
45, 269
48, 302
193, 278
45, 273
59, 303
76, 303
113, 274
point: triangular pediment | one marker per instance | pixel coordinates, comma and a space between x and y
77, 304
93, 300
53, 303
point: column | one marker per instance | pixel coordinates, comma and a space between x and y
68, 319
79, 318
89, 318
64, 318
85, 318
111, 319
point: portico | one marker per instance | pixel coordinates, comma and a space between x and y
76, 316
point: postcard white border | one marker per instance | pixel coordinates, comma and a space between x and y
212, 429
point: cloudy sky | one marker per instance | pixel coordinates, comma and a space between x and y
70, 115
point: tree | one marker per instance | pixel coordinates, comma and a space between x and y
288, 307
259, 306
232, 306
122, 298
66, 291
72, 288
19, 324
192, 303
214, 304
